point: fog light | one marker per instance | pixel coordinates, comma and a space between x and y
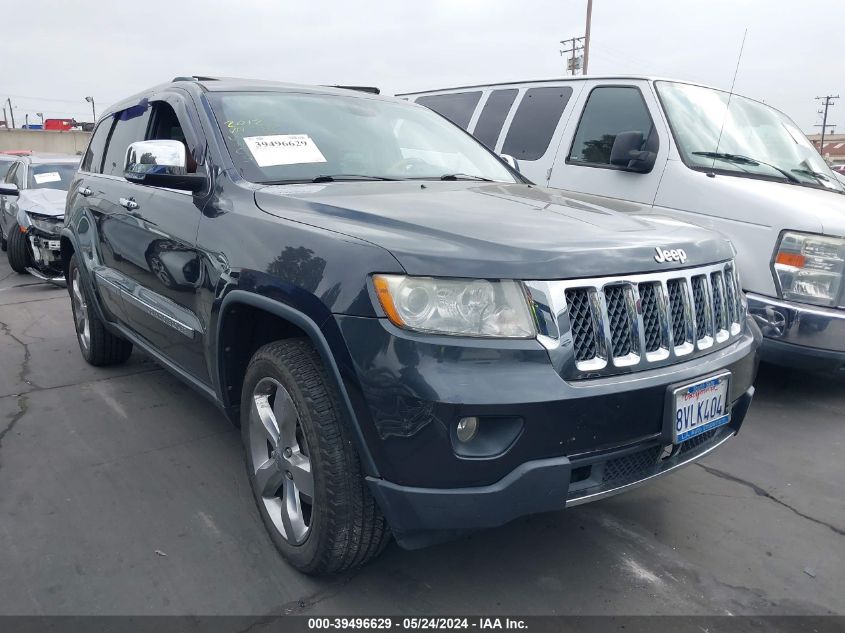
467, 428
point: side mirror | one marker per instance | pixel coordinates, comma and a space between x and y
161, 164
9, 189
627, 153
510, 160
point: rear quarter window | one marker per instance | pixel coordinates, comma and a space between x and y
93, 159
535, 122
130, 125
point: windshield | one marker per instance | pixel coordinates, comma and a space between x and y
51, 175
277, 137
752, 130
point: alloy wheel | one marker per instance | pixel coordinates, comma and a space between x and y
80, 311
280, 460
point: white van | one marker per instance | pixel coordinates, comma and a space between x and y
719, 160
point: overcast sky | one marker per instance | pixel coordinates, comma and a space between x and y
53, 54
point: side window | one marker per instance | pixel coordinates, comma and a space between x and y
16, 174
535, 122
130, 125
609, 111
457, 106
493, 116
10, 175
166, 127
93, 159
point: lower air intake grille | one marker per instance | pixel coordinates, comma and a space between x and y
631, 467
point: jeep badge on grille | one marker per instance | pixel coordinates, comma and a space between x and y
673, 255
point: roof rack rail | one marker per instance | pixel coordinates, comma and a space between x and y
194, 78
371, 89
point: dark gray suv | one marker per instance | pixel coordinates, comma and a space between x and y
414, 339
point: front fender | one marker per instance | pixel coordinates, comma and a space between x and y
318, 339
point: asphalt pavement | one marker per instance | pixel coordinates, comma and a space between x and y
124, 492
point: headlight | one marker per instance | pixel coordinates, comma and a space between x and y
47, 224
467, 307
809, 267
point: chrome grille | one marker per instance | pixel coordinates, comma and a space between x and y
620, 321
601, 326
699, 297
720, 315
583, 325
651, 316
677, 310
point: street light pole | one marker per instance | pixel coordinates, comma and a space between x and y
93, 110
587, 36
11, 112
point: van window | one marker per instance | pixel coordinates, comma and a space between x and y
493, 116
457, 106
535, 122
93, 159
130, 126
609, 111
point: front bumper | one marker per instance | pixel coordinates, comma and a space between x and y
798, 335
422, 516
46, 256
577, 440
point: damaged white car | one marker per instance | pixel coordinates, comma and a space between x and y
32, 205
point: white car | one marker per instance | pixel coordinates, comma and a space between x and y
716, 159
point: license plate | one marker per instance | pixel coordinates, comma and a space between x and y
53, 245
701, 407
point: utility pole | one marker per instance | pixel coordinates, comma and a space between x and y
587, 36
828, 101
575, 44
11, 112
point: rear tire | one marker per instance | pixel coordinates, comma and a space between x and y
304, 471
19, 253
98, 346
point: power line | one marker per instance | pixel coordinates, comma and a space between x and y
828, 101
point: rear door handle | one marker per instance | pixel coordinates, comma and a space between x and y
84, 191
128, 203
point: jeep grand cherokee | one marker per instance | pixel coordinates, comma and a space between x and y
413, 338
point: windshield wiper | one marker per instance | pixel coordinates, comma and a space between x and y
460, 176
339, 177
745, 160
815, 174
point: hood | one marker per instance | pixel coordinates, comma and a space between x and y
43, 201
493, 230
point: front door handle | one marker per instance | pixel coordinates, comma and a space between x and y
84, 191
128, 203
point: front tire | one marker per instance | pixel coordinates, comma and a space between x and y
305, 473
19, 253
98, 346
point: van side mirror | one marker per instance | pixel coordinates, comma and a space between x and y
627, 153
161, 164
8, 189
511, 161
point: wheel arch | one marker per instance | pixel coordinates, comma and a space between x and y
270, 320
